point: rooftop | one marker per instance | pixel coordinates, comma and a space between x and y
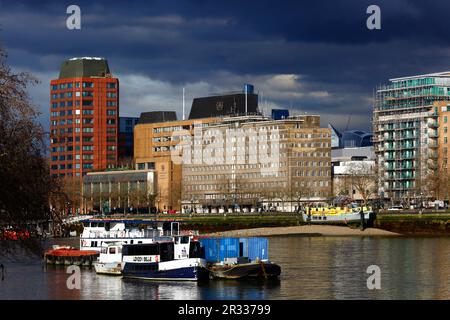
84, 67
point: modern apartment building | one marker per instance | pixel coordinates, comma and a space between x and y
84, 108
411, 134
253, 162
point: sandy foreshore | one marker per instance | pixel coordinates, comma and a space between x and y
307, 230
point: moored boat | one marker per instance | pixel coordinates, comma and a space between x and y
66, 255
257, 269
98, 232
179, 259
344, 215
239, 258
110, 260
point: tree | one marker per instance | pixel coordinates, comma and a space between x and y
26, 184
363, 179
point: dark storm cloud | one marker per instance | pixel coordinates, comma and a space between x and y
313, 56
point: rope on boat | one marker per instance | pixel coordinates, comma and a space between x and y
263, 268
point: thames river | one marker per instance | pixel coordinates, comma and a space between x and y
312, 268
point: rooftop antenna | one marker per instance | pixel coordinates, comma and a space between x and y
184, 104
262, 106
245, 99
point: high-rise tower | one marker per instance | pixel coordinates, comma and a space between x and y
84, 108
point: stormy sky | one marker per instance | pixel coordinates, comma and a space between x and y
309, 56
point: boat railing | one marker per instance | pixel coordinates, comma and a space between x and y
147, 233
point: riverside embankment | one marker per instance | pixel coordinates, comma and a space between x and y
427, 224
430, 224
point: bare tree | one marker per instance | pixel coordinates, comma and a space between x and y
363, 179
26, 184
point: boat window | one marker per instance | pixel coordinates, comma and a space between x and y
196, 251
175, 227
107, 226
141, 250
185, 239
112, 250
94, 224
166, 251
101, 224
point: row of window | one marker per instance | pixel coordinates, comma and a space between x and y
70, 166
63, 122
77, 130
255, 185
63, 113
86, 84
312, 173
86, 103
77, 139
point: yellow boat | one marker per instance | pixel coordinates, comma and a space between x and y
350, 213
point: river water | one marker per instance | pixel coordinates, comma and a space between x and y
312, 268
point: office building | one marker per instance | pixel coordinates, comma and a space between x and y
254, 163
126, 138
119, 191
228, 104
154, 142
84, 107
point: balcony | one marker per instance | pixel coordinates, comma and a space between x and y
433, 145
433, 124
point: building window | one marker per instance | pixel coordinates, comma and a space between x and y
88, 84
88, 94
445, 119
111, 85
141, 166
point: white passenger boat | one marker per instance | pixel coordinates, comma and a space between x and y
98, 232
110, 260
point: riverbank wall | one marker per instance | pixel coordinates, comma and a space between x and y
415, 224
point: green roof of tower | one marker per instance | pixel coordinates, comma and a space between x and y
85, 67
